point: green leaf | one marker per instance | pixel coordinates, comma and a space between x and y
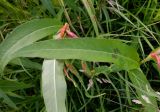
24, 35
98, 50
7, 100
12, 11
91, 12
26, 63
8, 86
49, 6
105, 70
54, 86
143, 88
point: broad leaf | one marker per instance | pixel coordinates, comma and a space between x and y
24, 35
98, 50
54, 86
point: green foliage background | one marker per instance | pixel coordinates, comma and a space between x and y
135, 23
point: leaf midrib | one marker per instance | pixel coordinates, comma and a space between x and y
79, 50
55, 85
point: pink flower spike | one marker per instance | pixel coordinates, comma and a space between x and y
71, 34
158, 62
61, 32
156, 58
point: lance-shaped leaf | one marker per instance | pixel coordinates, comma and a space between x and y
98, 50
144, 91
54, 86
24, 35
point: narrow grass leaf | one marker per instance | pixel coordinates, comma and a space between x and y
89, 7
54, 86
7, 100
49, 6
25, 62
8, 86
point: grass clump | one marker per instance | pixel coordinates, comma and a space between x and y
95, 86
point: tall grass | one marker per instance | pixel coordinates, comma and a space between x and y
135, 23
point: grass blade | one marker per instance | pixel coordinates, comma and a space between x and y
24, 62
89, 7
49, 6
7, 100
8, 86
